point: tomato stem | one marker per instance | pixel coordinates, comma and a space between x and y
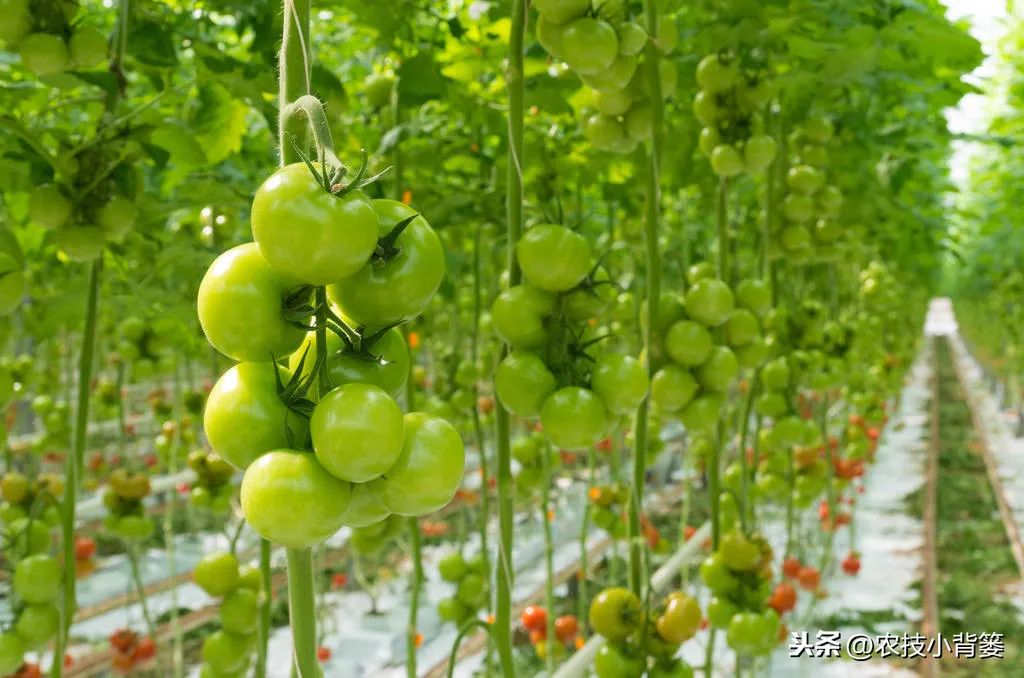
414, 602
265, 601
75, 463
294, 80
302, 611
549, 565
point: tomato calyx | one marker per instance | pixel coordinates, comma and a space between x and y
293, 394
387, 249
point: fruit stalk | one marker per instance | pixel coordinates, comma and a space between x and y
294, 76
414, 601
302, 611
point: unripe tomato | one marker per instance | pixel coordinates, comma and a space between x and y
365, 508
589, 46
12, 651
37, 579
688, 343
605, 133
632, 38
217, 574
798, 207
715, 75
226, 652
574, 418
620, 382
240, 307
549, 35
522, 382
796, 238
390, 371
615, 661
88, 47
245, 418
377, 88
615, 77
639, 122
452, 567
44, 54
709, 301
29, 537
239, 611
429, 468
452, 610
726, 161
397, 285
741, 328
720, 370
37, 624
561, 11
681, 618
117, 217
675, 669
307, 234
612, 103
758, 153
518, 315
290, 499
818, 129
553, 257
706, 108
754, 295
703, 412
739, 553
615, 613
805, 179
357, 432
672, 388
16, 25
48, 207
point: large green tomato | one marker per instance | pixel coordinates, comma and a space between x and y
37, 624
561, 11
716, 76
240, 305
726, 161
81, 243
217, 573
612, 103
720, 370
775, 374
47, 207
88, 47
549, 35
798, 207
245, 418
589, 46
12, 652
239, 612
308, 234
16, 25
751, 633
721, 611
681, 618
716, 575
574, 418
553, 257
606, 133
754, 295
384, 363
741, 328
37, 579
357, 432
709, 301
615, 613
703, 412
688, 343
365, 508
429, 468
672, 388
632, 38
522, 382
44, 54
518, 315
739, 553
397, 285
758, 153
225, 651
620, 381
290, 499
614, 661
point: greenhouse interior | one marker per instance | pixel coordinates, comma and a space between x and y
646, 338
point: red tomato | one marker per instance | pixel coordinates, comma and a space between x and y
791, 567
851, 564
566, 628
783, 598
809, 578
534, 618
323, 653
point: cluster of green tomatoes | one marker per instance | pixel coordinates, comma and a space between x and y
212, 489
323, 442
470, 580
123, 499
48, 37
812, 206
549, 372
228, 651
602, 45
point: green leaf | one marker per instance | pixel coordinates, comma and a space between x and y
219, 122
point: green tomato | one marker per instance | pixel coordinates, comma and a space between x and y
290, 499
708, 140
688, 343
37, 579
675, 669
726, 161
553, 258
452, 610
751, 633
706, 109
606, 133
12, 288
620, 381
29, 537
241, 300
522, 382
615, 661
589, 46
681, 618
798, 207
574, 418
549, 35
771, 404
721, 610
709, 301
429, 468
827, 231
472, 591
47, 207
239, 611
775, 374
526, 449
739, 553
217, 574
672, 388
796, 238
365, 508
245, 418
805, 179
754, 295
310, 235
632, 38
398, 284
12, 651
225, 651
615, 614
452, 567
383, 362
81, 243
357, 432
561, 11
117, 217
612, 103
639, 122
377, 88
716, 75
716, 575
518, 316
37, 624
615, 77
703, 412
88, 47
818, 129
758, 153
741, 328
16, 25
44, 54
